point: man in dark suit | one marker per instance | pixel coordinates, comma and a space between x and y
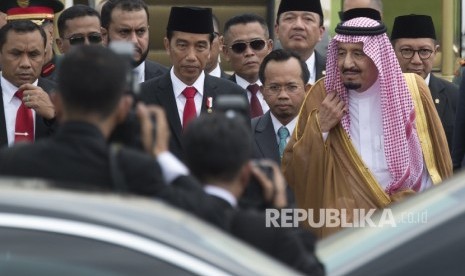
414, 40
284, 77
128, 20
186, 91
42, 13
213, 67
247, 42
78, 154
299, 27
77, 25
458, 147
22, 48
224, 167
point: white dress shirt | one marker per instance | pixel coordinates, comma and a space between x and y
171, 167
216, 72
10, 107
179, 86
311, 68
221, 193
140, 70
244, 84
277, 125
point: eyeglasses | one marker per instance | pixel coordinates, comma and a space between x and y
240, 47
276, 89
408, 53
81, 39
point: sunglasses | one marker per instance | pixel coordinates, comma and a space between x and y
240, 47
81, 39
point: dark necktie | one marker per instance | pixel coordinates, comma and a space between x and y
24, 127
283, 133
189, 108
255, 106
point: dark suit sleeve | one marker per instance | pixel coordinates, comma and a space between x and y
187, 193
458, 148
292, 246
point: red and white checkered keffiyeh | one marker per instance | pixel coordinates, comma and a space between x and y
401, 144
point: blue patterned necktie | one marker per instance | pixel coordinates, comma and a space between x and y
283, 133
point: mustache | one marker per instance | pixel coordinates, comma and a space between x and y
351, 70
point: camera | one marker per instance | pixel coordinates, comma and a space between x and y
233, 105
128, 132
253, 197
237, 107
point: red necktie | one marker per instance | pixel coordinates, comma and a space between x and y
255, 106
24, 128
189, 108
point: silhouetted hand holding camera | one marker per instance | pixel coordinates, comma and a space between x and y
154, 129
274, 187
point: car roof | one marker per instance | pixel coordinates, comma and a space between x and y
144, 218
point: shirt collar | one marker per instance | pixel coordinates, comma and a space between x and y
243, 83
221, 193
179, 86
216, 72
140, 72
427, 79
9, 89
277, 124
311, 68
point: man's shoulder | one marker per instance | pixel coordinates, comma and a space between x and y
46, 84
154, 69
153, 83
261, 122
22, 157
149, 64
227, 86
450, 86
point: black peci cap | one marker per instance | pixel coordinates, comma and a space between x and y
190, 20
300, 5
413, 26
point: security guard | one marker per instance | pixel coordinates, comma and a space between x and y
41, 12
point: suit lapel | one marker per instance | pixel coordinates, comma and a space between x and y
209, 90
265, 138
148, 72
40, 128
233, 78
165, 97
437, 93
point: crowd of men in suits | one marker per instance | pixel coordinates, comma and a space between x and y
197, 161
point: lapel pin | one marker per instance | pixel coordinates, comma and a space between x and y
209, 104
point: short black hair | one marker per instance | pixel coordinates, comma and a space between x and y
245, 19
125, 5
20, 26
79, 87
74, 12
217, 146
283, 55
